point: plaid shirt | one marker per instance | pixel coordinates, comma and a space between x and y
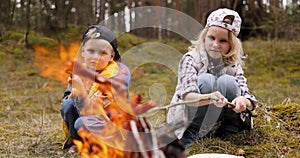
193, 64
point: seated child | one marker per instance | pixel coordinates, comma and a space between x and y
99, 51
213, 69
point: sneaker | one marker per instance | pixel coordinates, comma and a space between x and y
67, 143
72, 149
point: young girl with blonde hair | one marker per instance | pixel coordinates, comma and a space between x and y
213, 69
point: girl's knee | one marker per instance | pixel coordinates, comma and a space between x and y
227, 81
206, 77
206, 82
228, 86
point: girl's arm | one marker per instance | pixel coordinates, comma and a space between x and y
242, 80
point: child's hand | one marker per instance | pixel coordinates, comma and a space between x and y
142, 108
69, 67
74, 93
240, 104
70, 80
218, 99
77, 87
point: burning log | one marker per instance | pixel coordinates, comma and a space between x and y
145, 143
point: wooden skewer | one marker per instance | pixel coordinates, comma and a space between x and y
166, 107
138, 139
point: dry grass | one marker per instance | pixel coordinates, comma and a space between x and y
30, 118
31, 123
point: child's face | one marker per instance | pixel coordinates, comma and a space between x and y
97, 54
217, 42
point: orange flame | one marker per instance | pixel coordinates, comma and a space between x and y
114, 132
51, 63
91, 147
117, 114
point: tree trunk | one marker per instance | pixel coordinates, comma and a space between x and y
67, 13
251, 4
156, 31
28, 11
7, 8
275, 3
130, 3
101, 11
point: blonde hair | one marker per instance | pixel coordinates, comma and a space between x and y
235, 53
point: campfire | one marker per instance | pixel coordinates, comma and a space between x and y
125, 134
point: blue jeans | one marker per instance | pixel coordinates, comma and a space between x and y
69, 113
209, 120
93, 123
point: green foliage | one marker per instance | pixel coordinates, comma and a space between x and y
273, 70
69, 34
37, 40
127, 41
11, 39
